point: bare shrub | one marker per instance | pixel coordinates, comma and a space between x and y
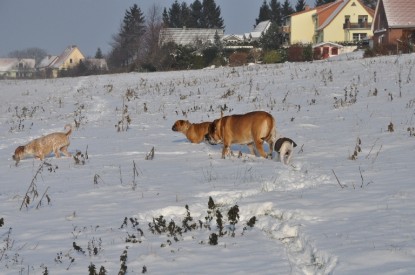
238, 59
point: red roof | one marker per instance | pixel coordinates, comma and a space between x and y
399, 13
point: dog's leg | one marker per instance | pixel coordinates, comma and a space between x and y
56, 152
260, 148
271, 149
282, 157
225, 151
251, 148
289, 156
64, 150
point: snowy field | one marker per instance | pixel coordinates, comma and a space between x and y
346, 205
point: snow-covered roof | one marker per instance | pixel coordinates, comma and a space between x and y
188, 36
262, 26
238, 37
332, 44
47, 61
9, 64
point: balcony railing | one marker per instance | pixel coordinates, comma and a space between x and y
361, 25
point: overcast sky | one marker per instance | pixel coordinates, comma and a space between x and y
53, 25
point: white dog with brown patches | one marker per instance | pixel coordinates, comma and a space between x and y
285, 146
43, 146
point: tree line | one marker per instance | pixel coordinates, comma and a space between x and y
136, 46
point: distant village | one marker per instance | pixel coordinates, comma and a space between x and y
328, 30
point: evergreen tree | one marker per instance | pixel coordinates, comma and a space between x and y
323, 2
370, 3
185, 16
271, 40
264, 13
196, 14
211, 15
286, 9
319, 3
166, 19
275, 8
126, 44
174, 15
99, 54
300, 6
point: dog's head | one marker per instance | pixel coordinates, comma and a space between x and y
18, 153
181, 126
281, 141
214, 135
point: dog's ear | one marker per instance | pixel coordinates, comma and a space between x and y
278, 144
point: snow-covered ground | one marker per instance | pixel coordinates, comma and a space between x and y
346, 205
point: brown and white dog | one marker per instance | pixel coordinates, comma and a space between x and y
195, 132
251, 129
43, 146
285, 146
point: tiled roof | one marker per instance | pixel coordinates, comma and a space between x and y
400, 13
186, 36
329, 12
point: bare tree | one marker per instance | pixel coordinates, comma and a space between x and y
151, 39
35, 53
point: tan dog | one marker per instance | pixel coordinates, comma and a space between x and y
251, 129
195, 132
285, 146
43, 146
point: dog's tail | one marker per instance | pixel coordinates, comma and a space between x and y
68, 126
272, 135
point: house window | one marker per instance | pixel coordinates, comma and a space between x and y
70, 60
359, 36
347, 19
362, 21
334, 51
411, 37
380, 40
346, 22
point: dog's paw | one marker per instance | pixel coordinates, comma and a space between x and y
295, 166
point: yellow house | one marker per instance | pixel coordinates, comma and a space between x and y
70, 57
339, 21
301, 26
